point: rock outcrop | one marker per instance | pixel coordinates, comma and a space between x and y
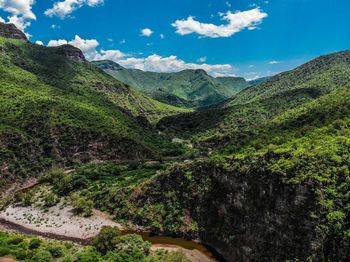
11, 31
71, 52
253, 215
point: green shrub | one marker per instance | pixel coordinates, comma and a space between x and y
88, 256
106, 240
14, 240
56, 251
82, 206
34, 243
4, 251
42, 256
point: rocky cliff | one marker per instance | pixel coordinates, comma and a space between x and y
11, 31
247, 213
72, 53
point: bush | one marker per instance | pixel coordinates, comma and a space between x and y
50, 200
19, 254
82, 206
42, 256
106, 240
56, 251
34, 243
88, 256
4, 251
15, 240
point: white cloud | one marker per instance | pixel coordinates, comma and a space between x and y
54, 26
114, 55
274, 62
146, 32
202, 59
88, 47
154, 63
162, 36
20, 12
39, 42
57, 42
66, 7
123, 41
157, 63
236, 23
21, 8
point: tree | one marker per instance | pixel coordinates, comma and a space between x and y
82, 206
106, 240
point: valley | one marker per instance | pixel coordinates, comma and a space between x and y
103, 163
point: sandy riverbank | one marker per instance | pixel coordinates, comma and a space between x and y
61, 222
57, 221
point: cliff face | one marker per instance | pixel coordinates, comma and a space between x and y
246, 215
11, 31
72, 53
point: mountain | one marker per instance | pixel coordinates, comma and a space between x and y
56, 108
258, 81
276, 183
188, 88
255, 106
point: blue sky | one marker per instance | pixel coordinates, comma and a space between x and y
249, 38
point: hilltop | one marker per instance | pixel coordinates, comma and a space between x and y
187, 88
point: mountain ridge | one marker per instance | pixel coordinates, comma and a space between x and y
189, 87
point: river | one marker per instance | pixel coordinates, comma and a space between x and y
159, 241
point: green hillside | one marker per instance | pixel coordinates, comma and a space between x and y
278, 187
252, 109
58, 109
188, 88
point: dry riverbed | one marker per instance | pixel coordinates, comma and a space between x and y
60, 221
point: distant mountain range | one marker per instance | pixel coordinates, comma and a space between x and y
188, 88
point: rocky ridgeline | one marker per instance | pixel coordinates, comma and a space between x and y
11, 31
72, 53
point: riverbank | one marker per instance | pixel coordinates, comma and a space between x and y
60, 224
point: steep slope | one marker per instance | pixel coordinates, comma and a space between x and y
258, 81
252, 109
58, 109
189, 88
278, 191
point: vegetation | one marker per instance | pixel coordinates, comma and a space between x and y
271, 180
58, 111
287, 136
188, 88
127, 248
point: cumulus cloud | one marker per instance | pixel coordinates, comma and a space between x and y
21, 13
154, 63
157, 63
274, 62
39, 42
88, 47
146, 32
236, 23
66, 7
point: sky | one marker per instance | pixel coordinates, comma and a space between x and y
248, 38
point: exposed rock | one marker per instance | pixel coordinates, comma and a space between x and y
108, 65
11, 31
72, 53
251, 216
